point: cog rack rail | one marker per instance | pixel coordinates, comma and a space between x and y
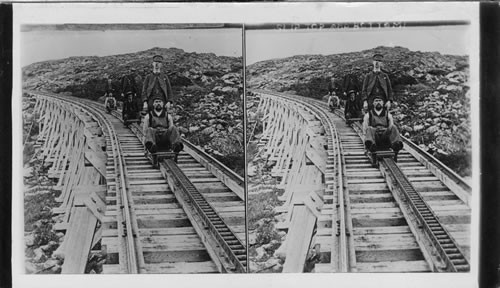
234, 249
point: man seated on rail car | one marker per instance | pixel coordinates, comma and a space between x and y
159, 130
379, 129
353, 106
110, 101
333, 101
130, 108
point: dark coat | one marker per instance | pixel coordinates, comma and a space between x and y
130, 108
369, 82
148, 86
351, 82
128, 84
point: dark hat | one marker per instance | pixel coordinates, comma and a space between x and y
378, 57
157, 58
378, 97
157, 97
351, 91
130, 93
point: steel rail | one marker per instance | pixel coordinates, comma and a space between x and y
133, 262
443, 242
228, 172
225, 237
441, 239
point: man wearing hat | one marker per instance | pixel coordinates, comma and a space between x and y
351, 82
376, 83
129, 85
379, 129
159, 131
157, 84
130, 109
353, 106
109, 94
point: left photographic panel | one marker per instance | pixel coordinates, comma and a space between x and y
133, 152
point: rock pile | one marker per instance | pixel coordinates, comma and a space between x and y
431, 90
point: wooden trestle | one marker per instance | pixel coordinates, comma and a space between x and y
72, 143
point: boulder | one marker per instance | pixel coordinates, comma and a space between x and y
30, 268
193, 129
208, 130
58, 253
261, 253
39, 255
29, 240
418, 128
432, 129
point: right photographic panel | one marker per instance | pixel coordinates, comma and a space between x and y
359, 146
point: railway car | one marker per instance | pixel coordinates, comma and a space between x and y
350, 121
383, 149
127, 122
159, 156
379, 154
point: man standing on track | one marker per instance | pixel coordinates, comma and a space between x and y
376, 83
129, 85
157, 85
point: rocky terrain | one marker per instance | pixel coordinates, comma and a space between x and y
431, 91
209, 109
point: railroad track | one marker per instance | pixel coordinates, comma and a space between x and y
185, 217
400, 217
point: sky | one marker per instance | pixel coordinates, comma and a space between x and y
42, 45
270, 44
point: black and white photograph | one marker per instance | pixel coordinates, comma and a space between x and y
320, 144
359, 146
133, 157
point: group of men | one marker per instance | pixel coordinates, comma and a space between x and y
160, 133
373, 99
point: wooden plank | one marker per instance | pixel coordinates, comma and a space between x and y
112, 269
167, 231
79, 239
397, 253
381, 230
172, 242
393, 266
181, 267
298, 239
318, 157
178, 211
377, 210
147, 182
97, 159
